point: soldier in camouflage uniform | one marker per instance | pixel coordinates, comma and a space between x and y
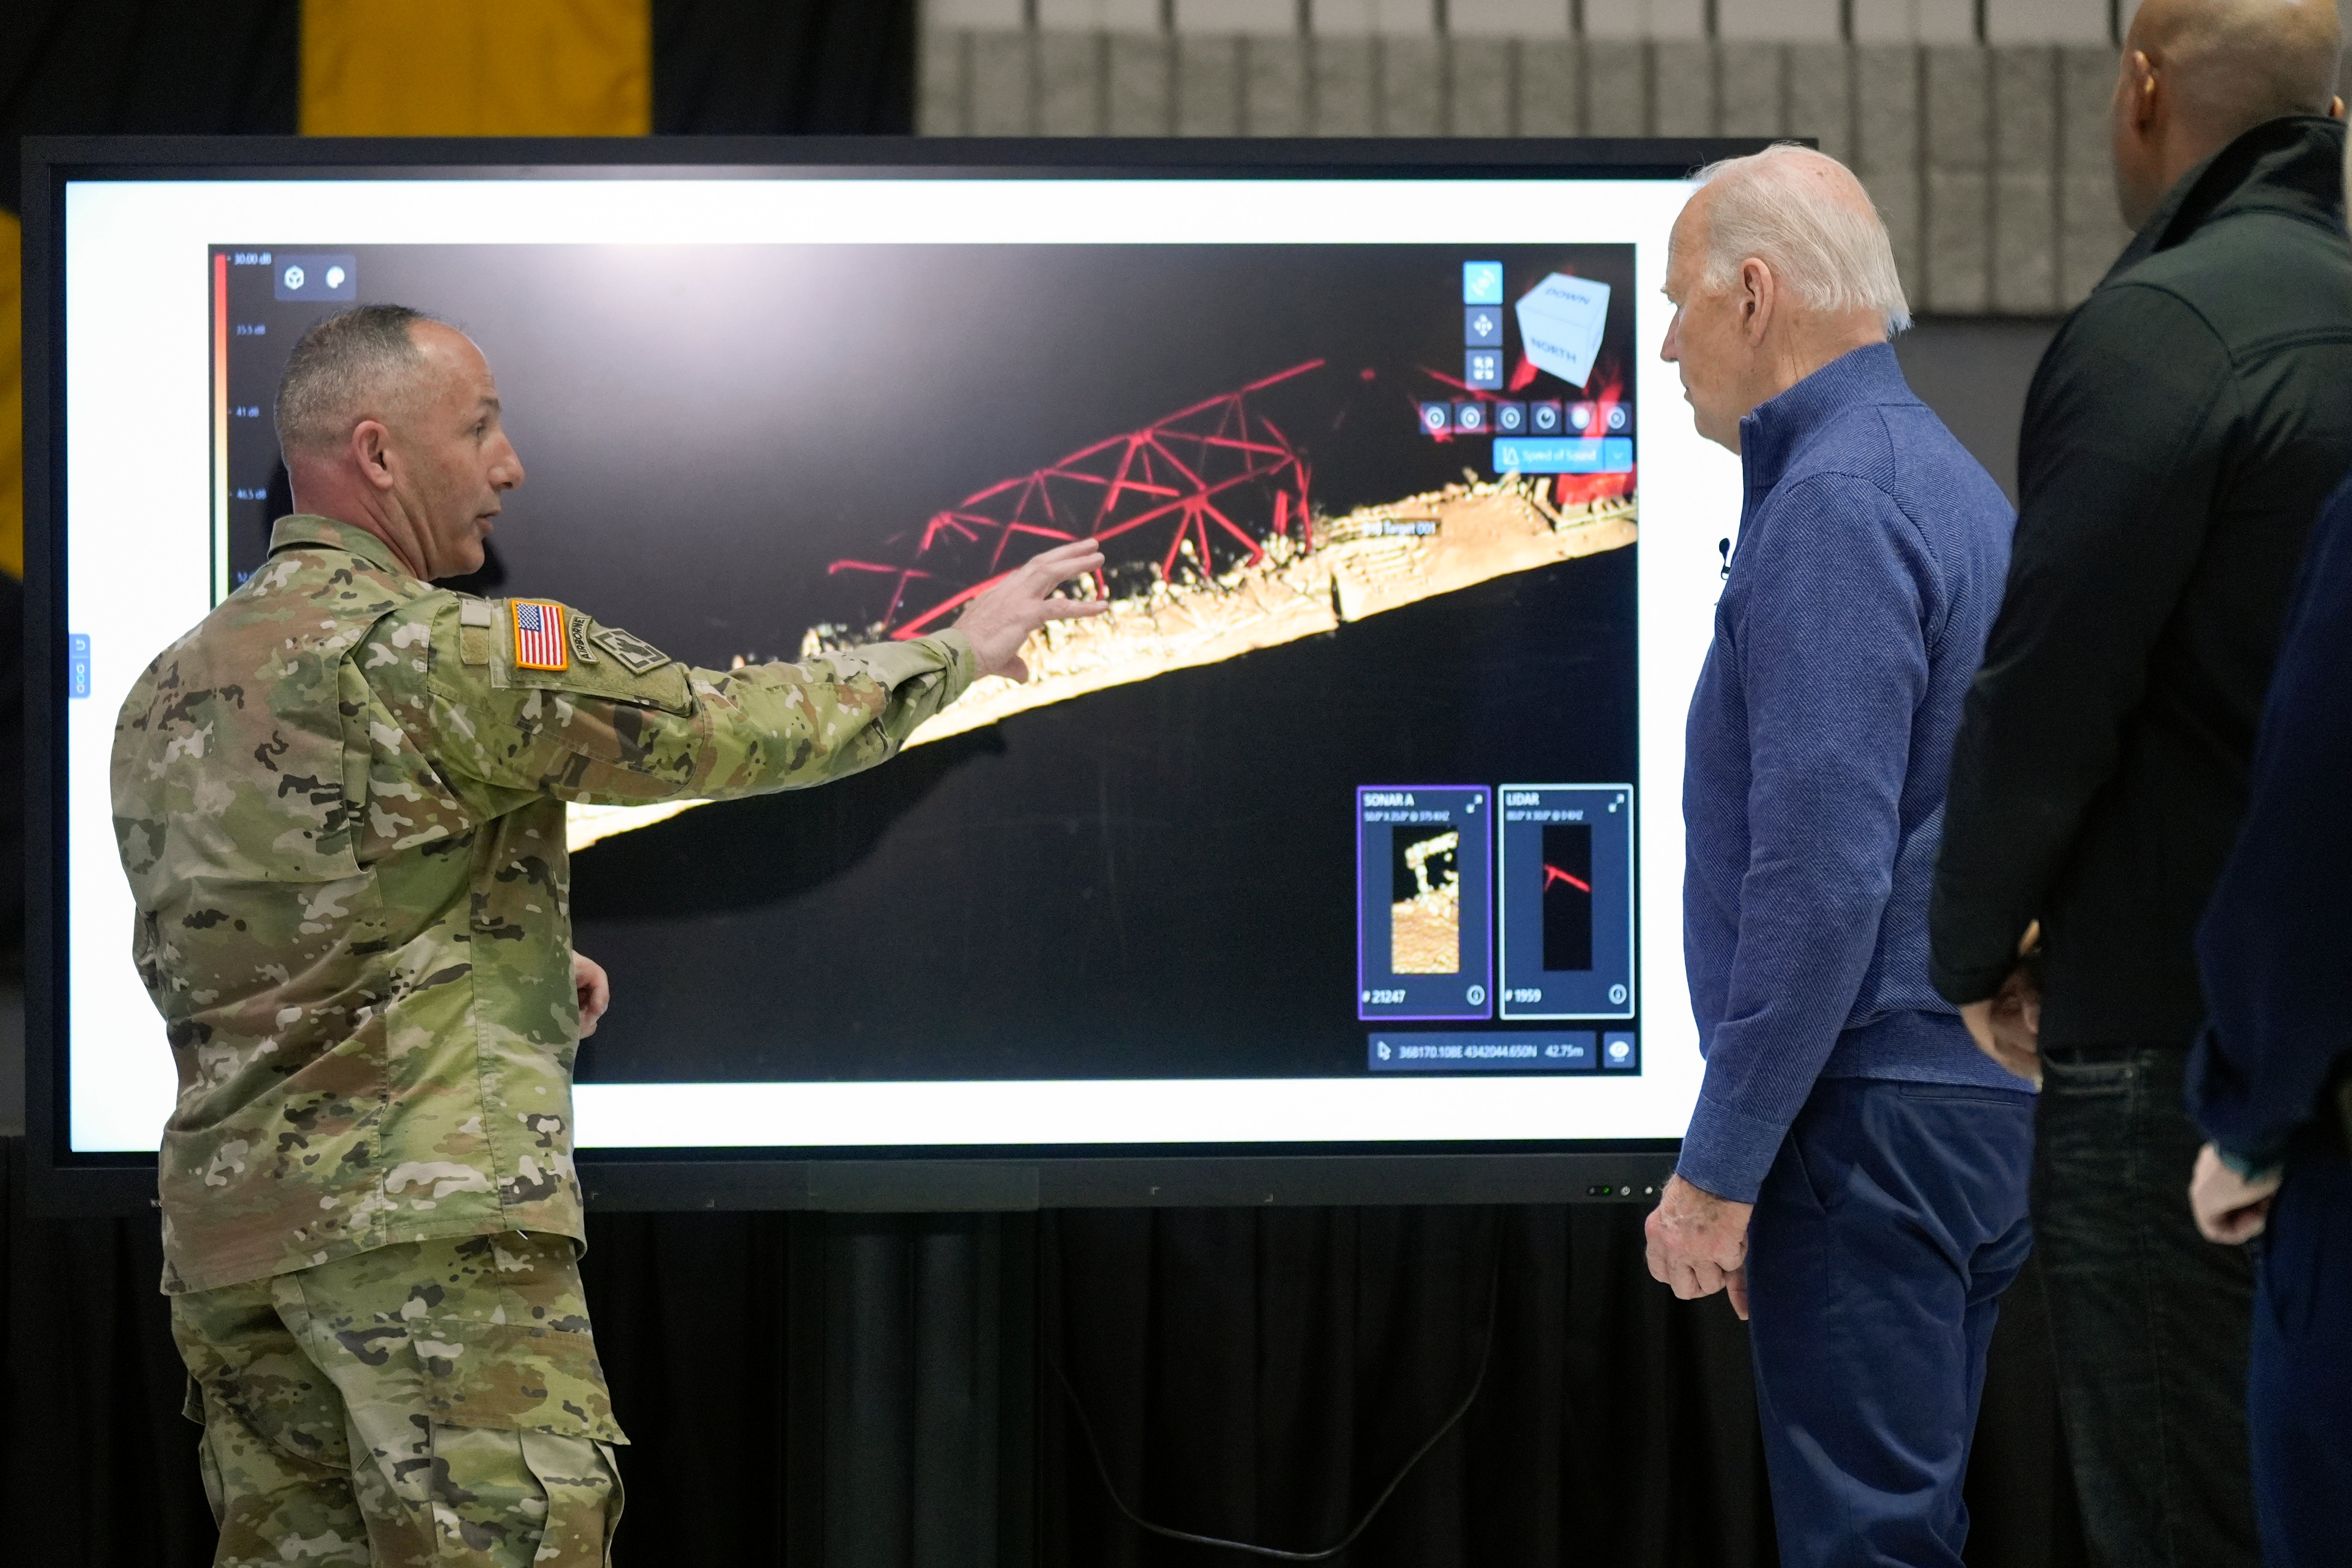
341, 803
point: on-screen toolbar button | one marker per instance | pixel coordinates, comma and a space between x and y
315, 277
1564, 455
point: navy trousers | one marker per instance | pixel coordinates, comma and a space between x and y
2299, 1386
1885, 1234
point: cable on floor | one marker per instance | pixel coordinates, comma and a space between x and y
1085, 1427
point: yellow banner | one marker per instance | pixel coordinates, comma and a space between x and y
477, 68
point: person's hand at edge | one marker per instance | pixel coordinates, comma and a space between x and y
1698, 1243
1002, 618
2007, 1025
594, 989
2231, 1206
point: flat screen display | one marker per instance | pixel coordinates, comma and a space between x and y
1354, 822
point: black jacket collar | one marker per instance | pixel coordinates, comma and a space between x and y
2293, 166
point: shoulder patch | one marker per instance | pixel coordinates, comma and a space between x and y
639, 655
539, 639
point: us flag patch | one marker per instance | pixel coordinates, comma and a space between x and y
538, 635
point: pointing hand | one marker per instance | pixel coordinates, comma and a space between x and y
1001, 618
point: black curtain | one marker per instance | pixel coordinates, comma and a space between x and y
1260, 1374
97, 1467
232, 68
130, 66
886, 1392
781, 68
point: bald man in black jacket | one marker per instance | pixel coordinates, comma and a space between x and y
2180, 435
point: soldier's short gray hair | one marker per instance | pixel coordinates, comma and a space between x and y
349, 367
1822, 237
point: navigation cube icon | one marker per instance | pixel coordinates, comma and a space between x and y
1560, 323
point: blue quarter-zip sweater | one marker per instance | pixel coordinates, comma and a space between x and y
1871, 553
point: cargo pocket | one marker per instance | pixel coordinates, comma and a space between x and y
504, 1496
522, 1432
538, 1376
581, 1481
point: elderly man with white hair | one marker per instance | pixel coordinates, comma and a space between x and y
1854, 1174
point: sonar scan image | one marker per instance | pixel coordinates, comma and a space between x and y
1425, 911
1369, 512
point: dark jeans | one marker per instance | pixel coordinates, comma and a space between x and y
1883, 1237
2148, 1320
2299, 1396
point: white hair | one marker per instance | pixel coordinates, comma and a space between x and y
1828, 250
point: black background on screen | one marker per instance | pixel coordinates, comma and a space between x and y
1567, 911
1156, 880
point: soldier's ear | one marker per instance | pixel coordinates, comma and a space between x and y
371, 446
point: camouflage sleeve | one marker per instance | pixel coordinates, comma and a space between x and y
623, 723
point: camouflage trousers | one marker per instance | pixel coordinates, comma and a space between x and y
434, 1402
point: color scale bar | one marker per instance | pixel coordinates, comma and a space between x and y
220, 427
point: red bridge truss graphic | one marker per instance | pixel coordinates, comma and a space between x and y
1213, 482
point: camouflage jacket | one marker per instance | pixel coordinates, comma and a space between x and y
340, 801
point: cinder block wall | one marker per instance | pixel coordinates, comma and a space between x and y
1979, 126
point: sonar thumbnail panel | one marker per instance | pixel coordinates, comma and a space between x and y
1566, 904
1424, 888
1551, 880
